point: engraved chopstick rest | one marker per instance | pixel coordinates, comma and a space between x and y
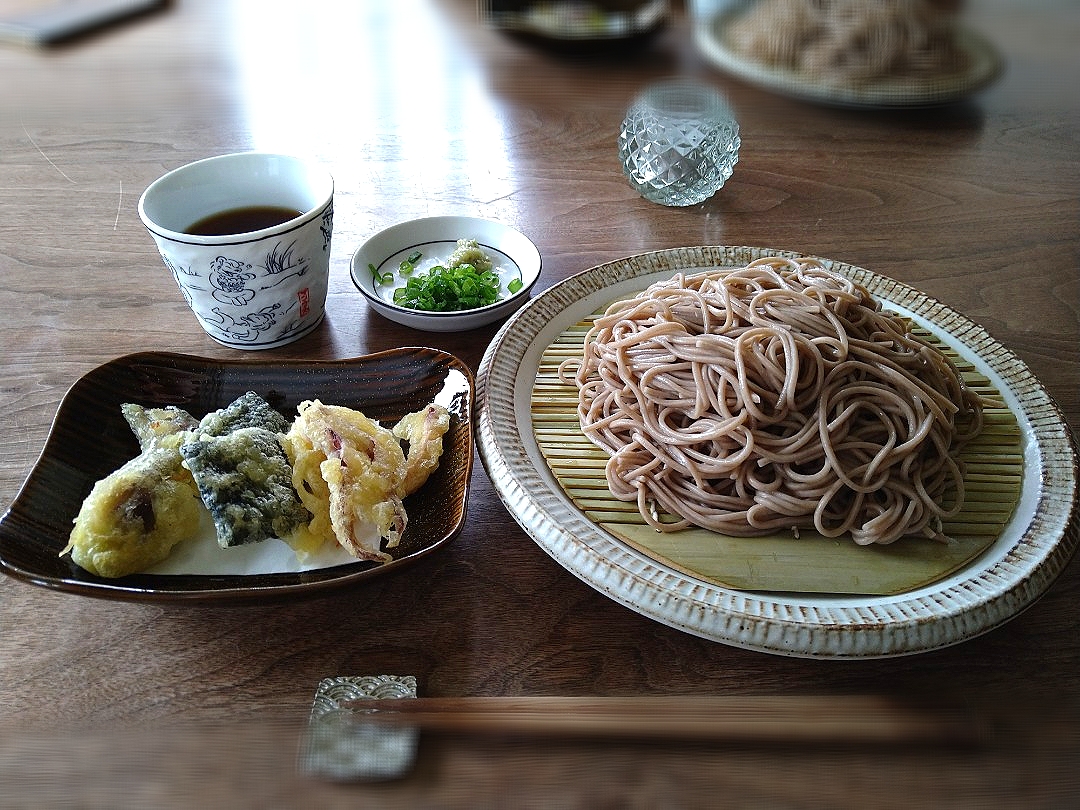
336, 746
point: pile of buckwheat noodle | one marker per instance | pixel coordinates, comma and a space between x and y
850, 39
771, 397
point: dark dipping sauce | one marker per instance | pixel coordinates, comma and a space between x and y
242, 220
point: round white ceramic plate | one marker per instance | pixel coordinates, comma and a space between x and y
514, 257
1008, 577
983, 65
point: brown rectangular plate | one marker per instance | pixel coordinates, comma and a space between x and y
90, 438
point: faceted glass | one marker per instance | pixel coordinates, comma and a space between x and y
679, 142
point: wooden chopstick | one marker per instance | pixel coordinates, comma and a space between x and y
778, 718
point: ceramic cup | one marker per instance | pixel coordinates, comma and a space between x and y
260, 283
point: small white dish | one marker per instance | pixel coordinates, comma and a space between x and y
513, 254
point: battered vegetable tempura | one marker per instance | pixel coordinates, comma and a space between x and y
133, 517
361, 465
245, 480
424, 431
166, 427
336, 476
352, 474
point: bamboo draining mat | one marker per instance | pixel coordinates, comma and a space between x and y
809, 563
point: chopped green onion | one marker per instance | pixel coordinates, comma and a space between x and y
380, 278
515, 285
449, 289
408, 264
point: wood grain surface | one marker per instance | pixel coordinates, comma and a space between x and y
418, 110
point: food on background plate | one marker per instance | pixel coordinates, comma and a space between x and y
850, 40
238, 464
775, 396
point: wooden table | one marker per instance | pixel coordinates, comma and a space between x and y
418, 111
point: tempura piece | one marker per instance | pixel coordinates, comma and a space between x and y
361, 466
245, 480
424, 431
314, 493
133, 517
247, 410
166, 427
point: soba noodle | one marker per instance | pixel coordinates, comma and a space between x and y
772, 397
852, 40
